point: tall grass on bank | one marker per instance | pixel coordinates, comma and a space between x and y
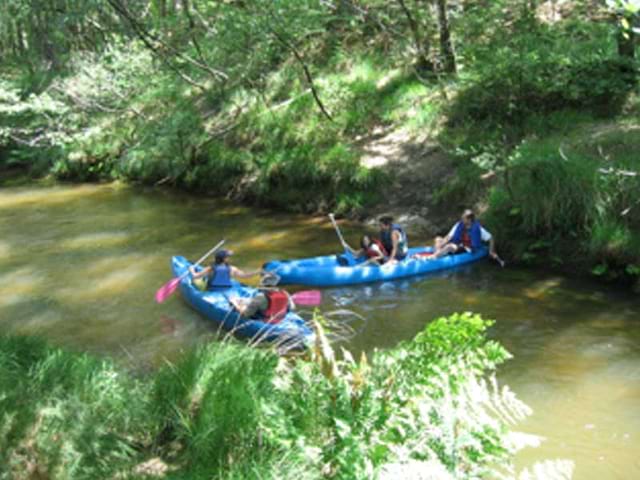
573, 200
231, 412
65, 415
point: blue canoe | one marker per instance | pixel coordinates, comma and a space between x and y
290, 333
327, 272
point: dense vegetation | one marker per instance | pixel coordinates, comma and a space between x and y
224, 411
274, 102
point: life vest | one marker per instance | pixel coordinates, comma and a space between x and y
372, 253
470, 238
220, 276
278, 306
466, 238
387, 242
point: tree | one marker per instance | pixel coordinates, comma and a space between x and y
447, 56
627, 14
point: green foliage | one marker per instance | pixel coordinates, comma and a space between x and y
236, 412
542, 69
66, 414
574, 199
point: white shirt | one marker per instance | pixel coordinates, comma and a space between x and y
485, 235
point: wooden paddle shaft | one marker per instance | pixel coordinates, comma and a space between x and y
335, 225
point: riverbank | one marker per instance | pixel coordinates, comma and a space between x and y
236, 412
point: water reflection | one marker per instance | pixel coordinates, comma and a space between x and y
79, 265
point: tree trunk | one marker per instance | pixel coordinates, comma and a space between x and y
421, 41
447, 56
626, 46
162, 8
626, 40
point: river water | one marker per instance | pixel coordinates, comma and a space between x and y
79, 265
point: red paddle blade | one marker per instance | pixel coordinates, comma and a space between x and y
310, 298
167, 289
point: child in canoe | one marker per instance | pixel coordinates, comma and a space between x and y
371, 249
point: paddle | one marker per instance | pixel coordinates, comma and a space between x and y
168, 288
501, 262
347, 252
307, 298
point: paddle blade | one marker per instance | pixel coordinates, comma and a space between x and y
309, 298
167, 289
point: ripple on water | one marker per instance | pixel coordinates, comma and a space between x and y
19, 285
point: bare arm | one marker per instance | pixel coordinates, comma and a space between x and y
205, 271
492, 248
395, 239
377, 259
241, 307
353, 251
449, 235
237, 273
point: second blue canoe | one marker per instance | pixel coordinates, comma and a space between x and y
326, 271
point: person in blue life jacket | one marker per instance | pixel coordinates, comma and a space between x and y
394, 239
219, 274
468, 235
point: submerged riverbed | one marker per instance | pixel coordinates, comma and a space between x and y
79, 265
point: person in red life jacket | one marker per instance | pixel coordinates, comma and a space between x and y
371, 249
394, 239
467, 235
268, 305
219, 274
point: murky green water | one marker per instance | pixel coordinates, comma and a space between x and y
79, 265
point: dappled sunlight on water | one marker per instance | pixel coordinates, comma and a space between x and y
18, 285
80, 265
29, 197
539, 290
94, 240
5, 250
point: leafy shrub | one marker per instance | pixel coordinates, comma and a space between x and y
542, 70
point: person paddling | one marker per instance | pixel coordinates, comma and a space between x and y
394, 239
468, 235
371, 249
219, 274
270, 305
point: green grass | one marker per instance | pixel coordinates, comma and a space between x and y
228, 411
567, 198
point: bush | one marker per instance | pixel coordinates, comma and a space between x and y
542, 69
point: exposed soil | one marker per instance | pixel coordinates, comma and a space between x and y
418, 168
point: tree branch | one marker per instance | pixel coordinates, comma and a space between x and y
306, 70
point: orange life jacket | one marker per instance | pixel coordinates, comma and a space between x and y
278, 306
